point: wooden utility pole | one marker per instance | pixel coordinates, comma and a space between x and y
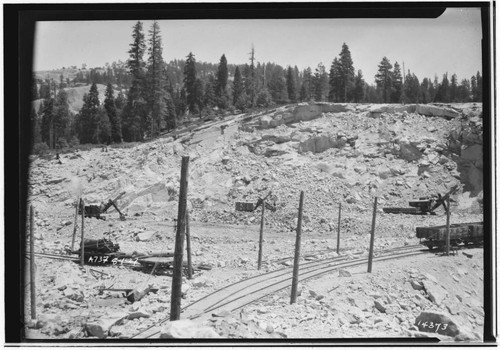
75, 226
448, 225
295, 276
175, 302
261, 237
82, 245
32, 264
338, 229
188, 247
372, 238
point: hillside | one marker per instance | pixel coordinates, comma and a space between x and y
335, 153
75, 97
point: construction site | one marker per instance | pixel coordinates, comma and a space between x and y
311, 220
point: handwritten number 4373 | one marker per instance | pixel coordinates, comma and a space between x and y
431, 325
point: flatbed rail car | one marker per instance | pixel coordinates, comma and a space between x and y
460, 234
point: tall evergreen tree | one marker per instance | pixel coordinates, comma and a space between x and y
320, 83
425, 89
156, 101
335, 81
221, 83
190, 82
209, 99
306, 87
443, 92
412, 88
114, 119
454, 88
135, 62
61, 116
477, 92
134, 114
397, 84
290, 84
252, 84
359, 87
238, 89
89, 117
347, 73
198, 96
383, 79
464, 91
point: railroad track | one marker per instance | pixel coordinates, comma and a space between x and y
54, 256
245, 292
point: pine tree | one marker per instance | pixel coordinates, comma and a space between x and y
135, 62
425, 89
89, 117
61, 116
478, 91
454, 88
335, 81
443, 92
277, 86
397, 84
320, 83
383, 79
221, 83
114, 119
238, 88
198, 96
306, 88
290, 84
474, 92
104, 127
359, 87
347, 73
464, 91
134, 114
412, 88
209, 99
156, 101
190, 82
252, 86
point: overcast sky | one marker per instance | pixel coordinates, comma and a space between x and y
450, 43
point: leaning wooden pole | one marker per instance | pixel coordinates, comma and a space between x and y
448, 226
372, 237
188, 247
338, 228
295, 276
75, 226
32, 264
261, 236
175, 302
82, 245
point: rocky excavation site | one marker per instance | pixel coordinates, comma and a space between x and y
344, 154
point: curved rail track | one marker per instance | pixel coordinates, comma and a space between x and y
245, 292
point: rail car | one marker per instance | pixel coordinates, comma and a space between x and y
460, 235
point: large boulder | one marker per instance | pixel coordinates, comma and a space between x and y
440, 323
186, 329
436, 293
437, 111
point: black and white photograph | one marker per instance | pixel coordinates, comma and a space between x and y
290, 173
